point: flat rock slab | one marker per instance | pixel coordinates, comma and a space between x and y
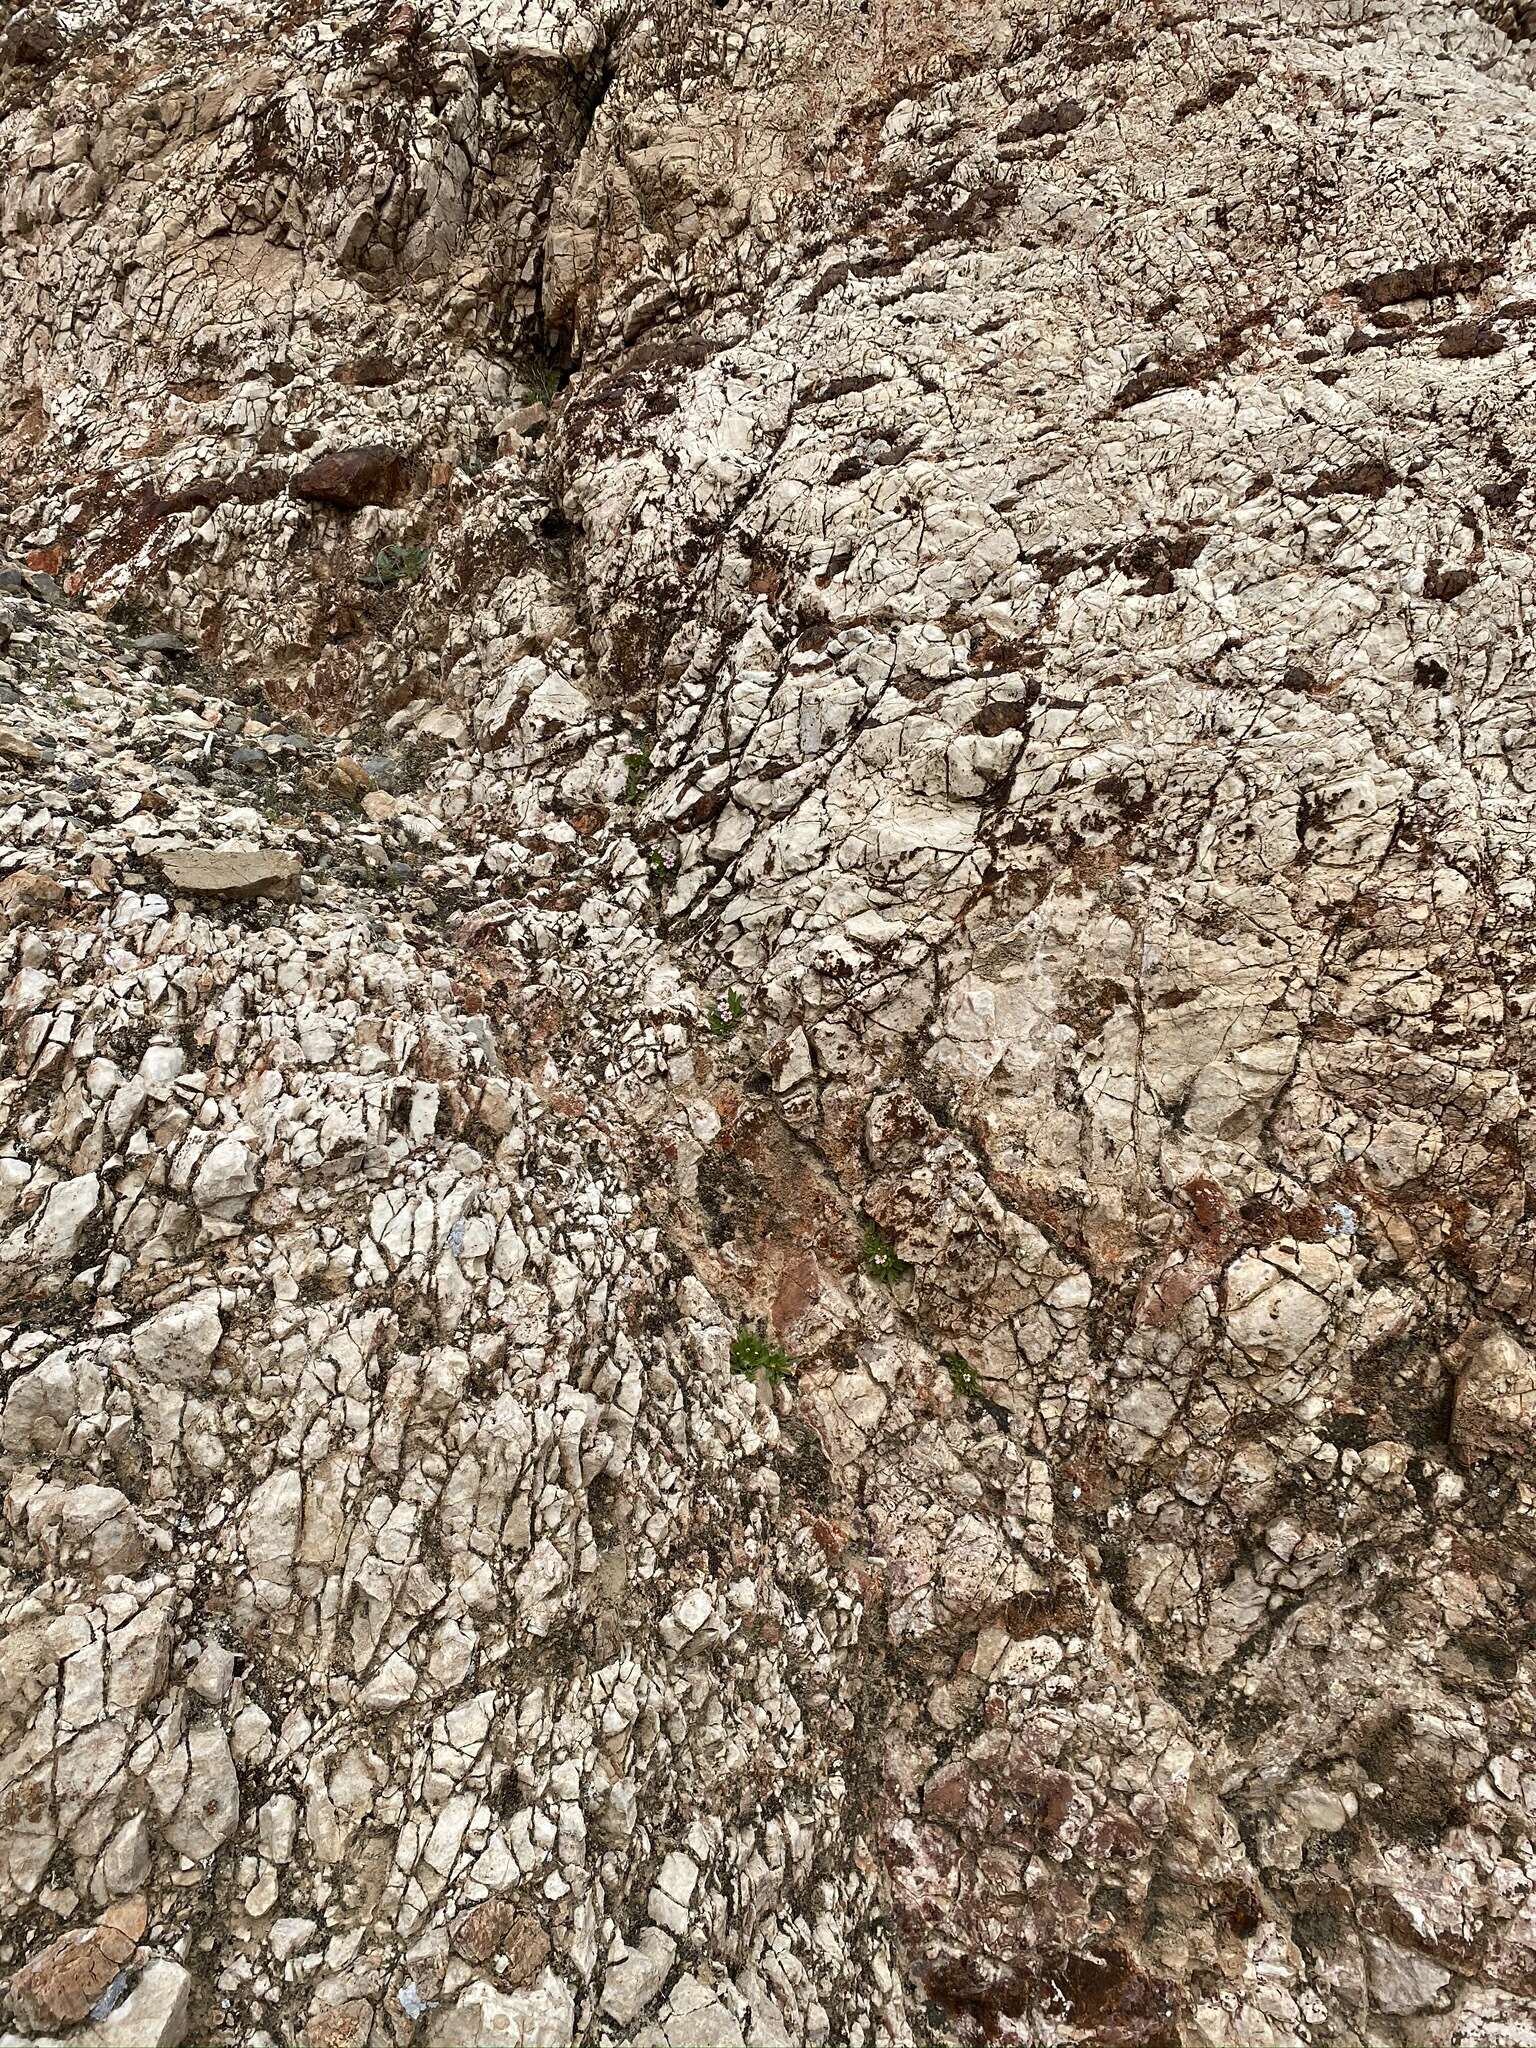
14, 748
162, 643
231, 872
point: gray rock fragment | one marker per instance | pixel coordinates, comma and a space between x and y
232, 873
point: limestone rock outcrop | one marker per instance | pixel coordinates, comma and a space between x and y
767, 917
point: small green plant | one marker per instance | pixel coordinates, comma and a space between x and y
662, 870
724, 1018
881, 1259
751, 1354
397, 562
541, 381
639, 768
963, 1376
275, 803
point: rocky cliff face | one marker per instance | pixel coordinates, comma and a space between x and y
767, 929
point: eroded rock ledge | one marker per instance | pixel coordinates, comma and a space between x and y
766, 942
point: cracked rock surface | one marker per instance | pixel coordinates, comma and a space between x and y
767, 942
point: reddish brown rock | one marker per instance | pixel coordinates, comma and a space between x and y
1471, 338
30, 896
58, 1986
497, 1928
343, 2025
353, 477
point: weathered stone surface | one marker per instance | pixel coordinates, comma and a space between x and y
543, 2016
29, 894
154, 2014
353, 477
233, 872
1496, 1397
831, 1342
60, 1985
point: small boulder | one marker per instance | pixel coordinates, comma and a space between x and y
161, 643
97, 1530
543, 2016
634, 1980
697, 2017
1279, 1301
226, 1177
30, 896
369, 373
196, 1791
1495, 1409
1402, 1980
59, 1985
232, 873
349, 778
337, 2022
178, 1344
13, 747
31, 38
496, 1928
153, 2015
526, 423
34, 583
353, 477
1471, 339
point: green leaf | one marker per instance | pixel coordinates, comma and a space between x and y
751, 1353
